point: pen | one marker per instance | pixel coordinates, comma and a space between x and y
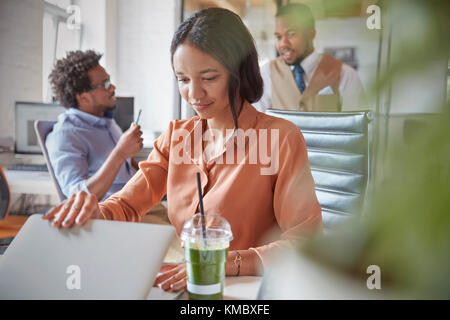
139, 115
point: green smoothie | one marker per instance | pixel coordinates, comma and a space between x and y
205, 251
206, 268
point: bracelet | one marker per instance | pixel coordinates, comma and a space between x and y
237, 262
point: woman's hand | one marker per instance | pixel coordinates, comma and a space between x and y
172, 277
79, 208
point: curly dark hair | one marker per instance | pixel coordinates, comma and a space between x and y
69, 77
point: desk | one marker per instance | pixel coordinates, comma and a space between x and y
33, 182
36, 182
236, 288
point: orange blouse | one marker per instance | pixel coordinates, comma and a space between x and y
258, 198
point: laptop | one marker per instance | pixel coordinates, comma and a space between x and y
101, 260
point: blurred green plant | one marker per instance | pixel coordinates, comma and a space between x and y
405, 229
408, 217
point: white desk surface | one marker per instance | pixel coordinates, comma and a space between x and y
33, 182
242, 288
236, 288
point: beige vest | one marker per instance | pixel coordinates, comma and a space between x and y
287, 96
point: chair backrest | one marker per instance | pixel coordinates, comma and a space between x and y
5, 195
338, 147
42, 129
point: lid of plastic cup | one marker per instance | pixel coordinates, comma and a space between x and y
216, 227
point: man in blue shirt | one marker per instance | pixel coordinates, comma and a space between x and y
87, 149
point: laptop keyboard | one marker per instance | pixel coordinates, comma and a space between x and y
29, 167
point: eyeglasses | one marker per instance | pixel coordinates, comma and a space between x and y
104, 85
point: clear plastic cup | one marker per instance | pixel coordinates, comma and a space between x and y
206, 256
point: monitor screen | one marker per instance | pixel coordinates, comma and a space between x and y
25, 115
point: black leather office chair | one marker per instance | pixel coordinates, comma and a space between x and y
338, 147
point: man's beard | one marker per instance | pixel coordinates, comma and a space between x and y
110, 108
308, 49
104, 109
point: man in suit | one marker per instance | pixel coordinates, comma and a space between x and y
300, 78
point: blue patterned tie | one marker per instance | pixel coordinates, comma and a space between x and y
298, 75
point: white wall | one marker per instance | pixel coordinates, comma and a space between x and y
421, 86
351, 32
93, 18
144, 31
20, 57
93, 36
261, 23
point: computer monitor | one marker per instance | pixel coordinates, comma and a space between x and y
27, 112
124, 112
25, 115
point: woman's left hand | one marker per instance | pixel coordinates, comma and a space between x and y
172, 277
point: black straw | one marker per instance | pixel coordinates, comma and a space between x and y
202, 212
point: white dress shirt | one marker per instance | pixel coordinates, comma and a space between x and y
351, 90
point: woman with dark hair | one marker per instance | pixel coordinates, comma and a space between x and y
254, 167
234, 49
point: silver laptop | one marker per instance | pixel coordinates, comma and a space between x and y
101, 260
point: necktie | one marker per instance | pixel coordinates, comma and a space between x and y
298, 75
